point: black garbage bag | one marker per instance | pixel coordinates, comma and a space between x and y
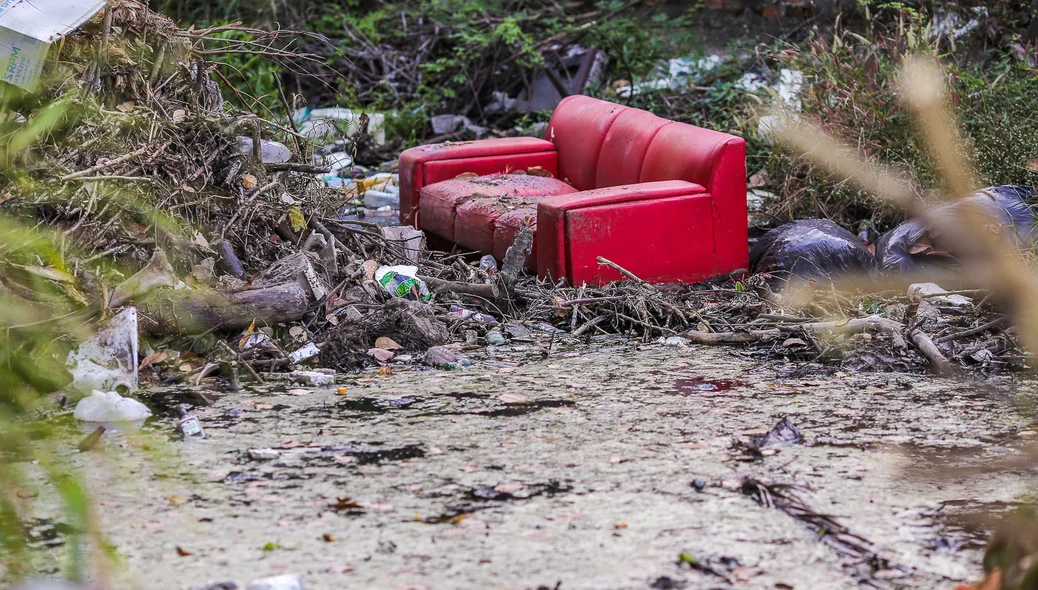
917, 248
811, 249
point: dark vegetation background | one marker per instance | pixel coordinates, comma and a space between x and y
416, 58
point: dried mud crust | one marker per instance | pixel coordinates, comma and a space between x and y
429, 479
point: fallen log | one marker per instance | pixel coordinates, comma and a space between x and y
698, 337
921, 341
194, 312
484, 291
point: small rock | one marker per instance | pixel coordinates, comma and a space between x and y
311, 378
285, 582
263, 454
933, 290
676, 341
699, 483
440, 357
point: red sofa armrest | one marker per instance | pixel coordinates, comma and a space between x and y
424, 165
660, 231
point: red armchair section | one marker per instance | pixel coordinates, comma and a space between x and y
429, 164
663, 199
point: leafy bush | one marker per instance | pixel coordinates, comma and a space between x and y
850, 91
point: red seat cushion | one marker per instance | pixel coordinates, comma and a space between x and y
496, 194
475, 220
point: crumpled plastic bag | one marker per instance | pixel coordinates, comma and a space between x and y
916, 247
403, 281
811, 249
109, 406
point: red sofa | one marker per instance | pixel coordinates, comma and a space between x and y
665, 200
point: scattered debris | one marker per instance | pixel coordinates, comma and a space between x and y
861, 558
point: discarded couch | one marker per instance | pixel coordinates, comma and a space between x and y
665, 200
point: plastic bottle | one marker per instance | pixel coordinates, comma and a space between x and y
467, 314
489, 264
188, 426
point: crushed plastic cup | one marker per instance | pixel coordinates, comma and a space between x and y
109, 406
403, 281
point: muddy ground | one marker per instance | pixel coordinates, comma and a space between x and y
428, 479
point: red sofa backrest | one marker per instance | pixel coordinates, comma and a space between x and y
603, 144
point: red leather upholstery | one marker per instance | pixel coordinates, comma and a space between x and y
664, 199
662, 229
578, 128
424, 165
623, 151
463, 210
717, 161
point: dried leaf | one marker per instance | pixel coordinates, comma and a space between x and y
296, 218
369, 266
126, 106
539, 171
387, 343
245, 338
182, 552
248, 181
345, 503
179, 115
153, 359
380, 354
467, 175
